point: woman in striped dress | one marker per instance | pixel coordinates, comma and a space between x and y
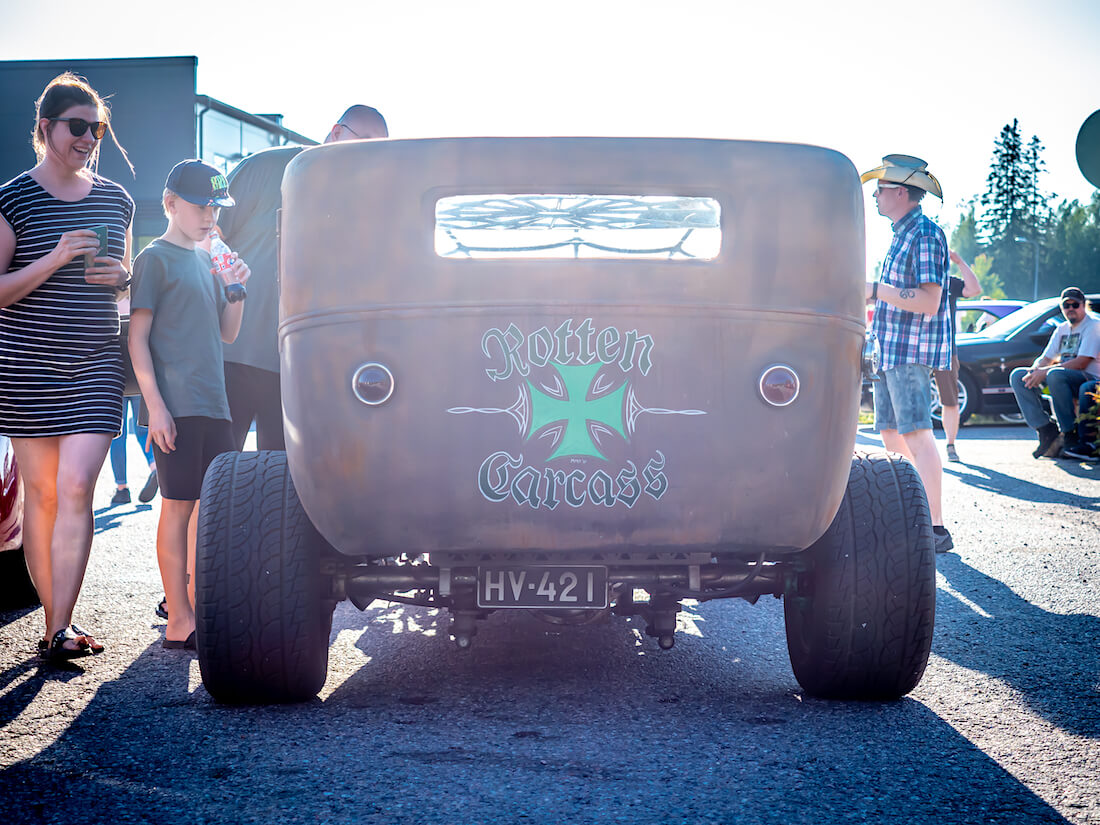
60, 363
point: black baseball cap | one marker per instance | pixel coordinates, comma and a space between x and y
199, 183
1073, 292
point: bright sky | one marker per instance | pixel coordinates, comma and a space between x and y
937, 79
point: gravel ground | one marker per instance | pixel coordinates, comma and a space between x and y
595, 724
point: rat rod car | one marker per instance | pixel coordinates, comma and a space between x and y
578, 376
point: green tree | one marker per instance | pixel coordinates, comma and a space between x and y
964, 237
1014, 206
990, 281
965, 241
1071, 247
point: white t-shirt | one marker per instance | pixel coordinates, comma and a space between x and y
1067, 343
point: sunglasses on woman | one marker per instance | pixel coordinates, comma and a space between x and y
78, 126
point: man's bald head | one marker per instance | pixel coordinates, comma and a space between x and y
358, 122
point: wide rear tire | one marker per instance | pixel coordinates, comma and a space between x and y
263, 606
859, 622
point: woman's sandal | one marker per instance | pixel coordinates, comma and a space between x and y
162, 608
93, 645
85, 645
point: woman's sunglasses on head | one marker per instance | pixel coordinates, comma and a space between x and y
78, 126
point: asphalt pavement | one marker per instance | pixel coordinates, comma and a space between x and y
595, 724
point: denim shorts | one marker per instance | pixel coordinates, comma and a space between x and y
903, 399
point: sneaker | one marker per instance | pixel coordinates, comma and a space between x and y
150, 488
951, 454
1055, 448
943, 541
1081, 452
121, 497
1048, 434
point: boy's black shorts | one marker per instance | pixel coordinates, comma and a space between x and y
198, 441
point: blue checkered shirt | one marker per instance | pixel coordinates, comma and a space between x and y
917, 256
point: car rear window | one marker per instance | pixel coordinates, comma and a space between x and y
667, 227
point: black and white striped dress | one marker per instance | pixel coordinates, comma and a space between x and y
60, 363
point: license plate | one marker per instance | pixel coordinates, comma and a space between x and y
544, 586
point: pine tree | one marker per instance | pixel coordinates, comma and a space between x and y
1004, 185
964, 237
1015, 206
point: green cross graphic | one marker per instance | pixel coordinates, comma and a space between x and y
576, 411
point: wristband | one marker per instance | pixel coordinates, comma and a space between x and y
874, 291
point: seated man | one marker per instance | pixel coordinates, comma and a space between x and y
1088, 408
1069, 360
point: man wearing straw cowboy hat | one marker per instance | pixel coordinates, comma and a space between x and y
912, 322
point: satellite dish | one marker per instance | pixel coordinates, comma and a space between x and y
1088, 149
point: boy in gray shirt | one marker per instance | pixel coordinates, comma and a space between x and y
179, 318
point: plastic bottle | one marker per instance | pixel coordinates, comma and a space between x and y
222, 257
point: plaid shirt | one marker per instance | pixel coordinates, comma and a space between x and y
917, 256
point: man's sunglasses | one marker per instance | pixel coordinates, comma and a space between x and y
78, 126
1070, 304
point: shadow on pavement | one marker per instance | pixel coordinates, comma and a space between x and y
534, 724
1051, 659
107, 518
971, 432
21, 683
983, 478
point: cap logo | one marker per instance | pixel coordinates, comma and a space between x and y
218, 182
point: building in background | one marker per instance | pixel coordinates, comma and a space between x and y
156, 114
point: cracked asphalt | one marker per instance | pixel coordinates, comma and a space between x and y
594, 724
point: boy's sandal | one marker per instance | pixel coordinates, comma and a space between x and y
43, 647
179, 644
162, 608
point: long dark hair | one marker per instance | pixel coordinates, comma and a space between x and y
61, 93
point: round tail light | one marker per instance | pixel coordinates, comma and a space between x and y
779, 385
372, 384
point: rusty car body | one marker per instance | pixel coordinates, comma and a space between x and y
560, 374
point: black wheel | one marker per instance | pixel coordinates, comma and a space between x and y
859, 620
16, 588
263, 606
967, 400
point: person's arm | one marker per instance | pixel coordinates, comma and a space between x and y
971, 287
230, 322
1037, 375
928, 259
108, 271
1077, 362
924, 299
15, 286
123, 294
162, 427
